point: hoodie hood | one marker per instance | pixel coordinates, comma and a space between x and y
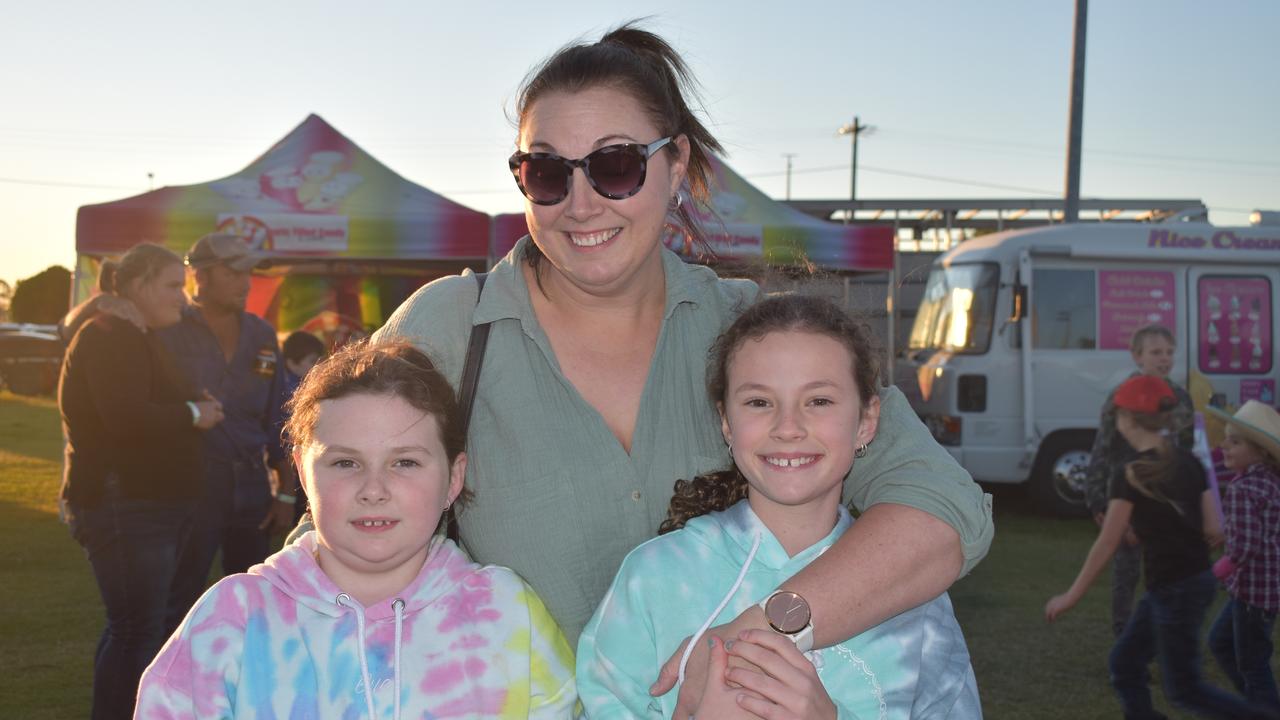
731, 533
295, 572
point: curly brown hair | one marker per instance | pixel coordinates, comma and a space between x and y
393, 368
719, 490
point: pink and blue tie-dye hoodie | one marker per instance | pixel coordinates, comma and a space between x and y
283, 642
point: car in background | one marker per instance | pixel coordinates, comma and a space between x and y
30, 358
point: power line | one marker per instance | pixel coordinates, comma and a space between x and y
56, 183
903, 173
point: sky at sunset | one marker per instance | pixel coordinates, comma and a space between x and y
968, 99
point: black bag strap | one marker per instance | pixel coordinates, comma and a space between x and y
471, 365
467, 389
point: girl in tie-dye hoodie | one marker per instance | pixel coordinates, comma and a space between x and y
795, 380
373, 614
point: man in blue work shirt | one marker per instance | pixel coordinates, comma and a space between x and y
234, 356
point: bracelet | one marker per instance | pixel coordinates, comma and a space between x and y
195, 412
287, 498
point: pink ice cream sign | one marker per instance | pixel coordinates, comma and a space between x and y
1130, 299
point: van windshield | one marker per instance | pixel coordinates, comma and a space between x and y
957, 311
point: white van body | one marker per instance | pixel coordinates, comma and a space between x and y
1073, 294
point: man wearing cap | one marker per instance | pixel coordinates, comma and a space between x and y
235, 357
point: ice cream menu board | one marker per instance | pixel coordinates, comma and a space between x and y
1235, 325
1130, 299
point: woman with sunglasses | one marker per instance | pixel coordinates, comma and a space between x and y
590, 403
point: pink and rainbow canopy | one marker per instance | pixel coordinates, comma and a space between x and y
313, 194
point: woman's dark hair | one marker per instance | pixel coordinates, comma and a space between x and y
781, 313
646, 67
1150, 475
141, 263
393, 368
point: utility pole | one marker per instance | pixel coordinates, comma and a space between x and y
788, 156
855, 129
1071, 203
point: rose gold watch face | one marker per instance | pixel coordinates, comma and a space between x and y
787, 612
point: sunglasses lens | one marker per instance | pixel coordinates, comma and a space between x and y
617, 172
545, 180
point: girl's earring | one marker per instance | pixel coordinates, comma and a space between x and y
861, 452
679, 200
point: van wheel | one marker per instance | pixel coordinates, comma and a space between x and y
1058, 479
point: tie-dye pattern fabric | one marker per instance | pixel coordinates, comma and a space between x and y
915, 665
276, 642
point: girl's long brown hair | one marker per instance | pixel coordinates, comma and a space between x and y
719, 490
1150, 476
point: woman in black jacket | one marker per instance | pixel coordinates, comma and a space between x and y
132, 465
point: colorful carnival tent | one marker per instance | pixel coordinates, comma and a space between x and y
348, 237
748, 225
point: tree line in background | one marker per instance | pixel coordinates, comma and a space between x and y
42, 298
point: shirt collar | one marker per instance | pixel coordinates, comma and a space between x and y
506, 294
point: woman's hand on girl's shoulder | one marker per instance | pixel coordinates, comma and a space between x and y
788, 688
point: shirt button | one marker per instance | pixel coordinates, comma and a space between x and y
635, 495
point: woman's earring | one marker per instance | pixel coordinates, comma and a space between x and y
861, 452
679, 200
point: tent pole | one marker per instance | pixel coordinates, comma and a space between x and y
890, 306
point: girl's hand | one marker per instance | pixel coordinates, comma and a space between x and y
788, 688
719, 700
1057, 605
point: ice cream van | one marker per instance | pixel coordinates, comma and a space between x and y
1021, 335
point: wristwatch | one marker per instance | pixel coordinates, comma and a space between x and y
788, 614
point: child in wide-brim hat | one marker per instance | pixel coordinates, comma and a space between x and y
1250, 567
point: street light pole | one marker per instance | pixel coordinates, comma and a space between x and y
1071, 201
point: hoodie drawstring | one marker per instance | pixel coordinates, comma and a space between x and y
742, 574
344, 600
398, 606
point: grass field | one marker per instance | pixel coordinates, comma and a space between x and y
50, 614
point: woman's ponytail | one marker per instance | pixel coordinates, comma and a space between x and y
107, 276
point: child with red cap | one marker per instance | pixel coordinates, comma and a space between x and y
1163, 493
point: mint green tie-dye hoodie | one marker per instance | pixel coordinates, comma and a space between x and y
915, 665
282, 641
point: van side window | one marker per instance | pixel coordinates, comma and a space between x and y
1235, 324
1064, 310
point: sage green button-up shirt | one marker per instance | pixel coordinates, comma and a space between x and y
559, 501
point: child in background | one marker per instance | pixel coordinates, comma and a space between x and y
1240, 638
1164, 495
301, 351
795, 381
373, 614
